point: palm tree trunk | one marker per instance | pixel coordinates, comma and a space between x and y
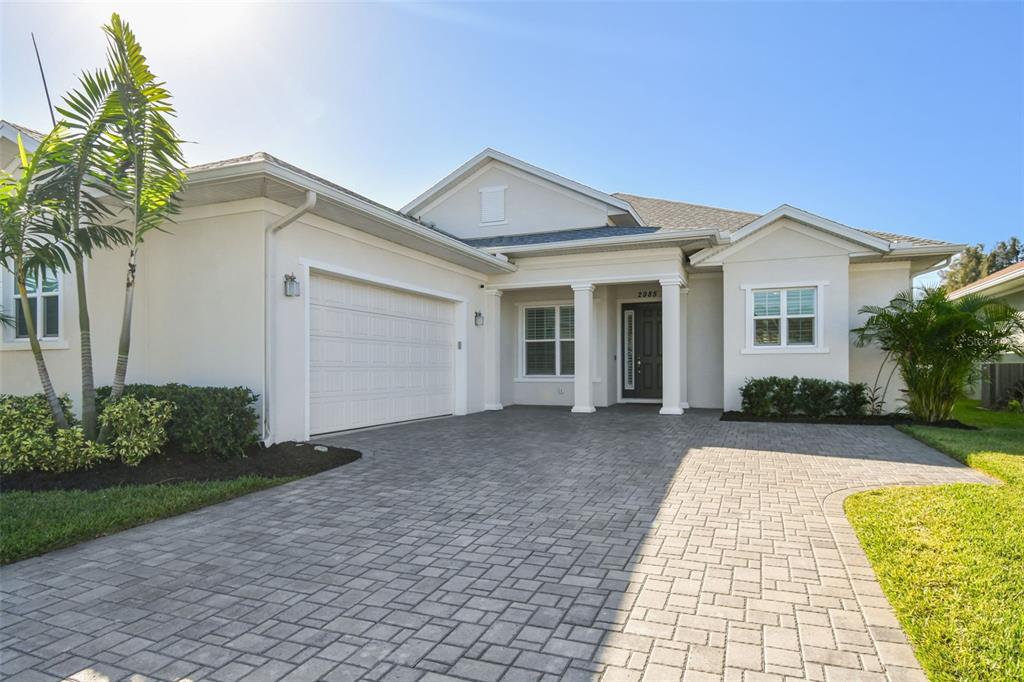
124, 344
88, 378
37, 351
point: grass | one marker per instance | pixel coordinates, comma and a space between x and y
32, 523
951, 558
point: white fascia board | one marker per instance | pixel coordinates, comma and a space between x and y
626, 240
494, 155
925, 250
802, 216
11, 133
261, 166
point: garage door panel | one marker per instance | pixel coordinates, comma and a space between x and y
377, 355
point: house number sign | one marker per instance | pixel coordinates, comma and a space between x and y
648, 293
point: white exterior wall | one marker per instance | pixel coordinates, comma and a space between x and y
531, 205
875, 284
197, 314
785, 254
703, 347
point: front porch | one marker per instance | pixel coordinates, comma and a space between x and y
588, 335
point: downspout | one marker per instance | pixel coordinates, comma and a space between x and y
268, 294
939, 266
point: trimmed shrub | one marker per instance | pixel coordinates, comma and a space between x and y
138, 428
31, 441
207, 420
815, 398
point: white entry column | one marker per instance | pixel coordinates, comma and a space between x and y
671, 346
492, 349
583, 302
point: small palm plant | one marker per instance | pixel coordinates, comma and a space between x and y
938, 344
29, 246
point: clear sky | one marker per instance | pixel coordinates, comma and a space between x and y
906, 117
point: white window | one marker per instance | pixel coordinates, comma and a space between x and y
492, 205
44, 292
785, 317
549, 348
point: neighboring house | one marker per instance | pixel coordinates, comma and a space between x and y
502, 284
1007, 285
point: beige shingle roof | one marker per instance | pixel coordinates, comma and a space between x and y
680, 215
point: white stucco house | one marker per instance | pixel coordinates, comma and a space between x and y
502, 284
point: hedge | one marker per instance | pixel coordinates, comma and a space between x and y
207, 420
815, 398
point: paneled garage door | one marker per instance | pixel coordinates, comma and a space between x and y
377, 355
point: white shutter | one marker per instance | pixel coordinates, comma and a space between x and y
492, 205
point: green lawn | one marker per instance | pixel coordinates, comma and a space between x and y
34, 523
951, 558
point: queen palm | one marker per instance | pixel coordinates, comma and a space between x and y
147, 154
937, 344
79, 169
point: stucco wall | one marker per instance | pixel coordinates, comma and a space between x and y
197, 315
785, 254
703, 347
875, 284
531, 205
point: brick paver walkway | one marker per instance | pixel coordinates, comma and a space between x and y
523, 545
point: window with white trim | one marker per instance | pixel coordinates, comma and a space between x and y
44, 292
549, 347
492, 205
785, 317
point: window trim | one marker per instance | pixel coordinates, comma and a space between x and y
819, 346
521, 374
9, 296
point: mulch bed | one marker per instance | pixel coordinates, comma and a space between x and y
866, 420
279, 460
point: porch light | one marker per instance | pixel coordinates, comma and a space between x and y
478, 319
291, 285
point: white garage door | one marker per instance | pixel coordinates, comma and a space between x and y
377, 355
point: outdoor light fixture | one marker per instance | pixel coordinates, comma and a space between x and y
478, 318
291, 285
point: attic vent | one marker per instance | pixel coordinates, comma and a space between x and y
492, 205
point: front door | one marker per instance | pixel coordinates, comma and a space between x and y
641, 350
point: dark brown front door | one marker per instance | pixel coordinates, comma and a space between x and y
641, 350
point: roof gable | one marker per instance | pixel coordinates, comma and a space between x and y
488, 156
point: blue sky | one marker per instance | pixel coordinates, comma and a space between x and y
906, 117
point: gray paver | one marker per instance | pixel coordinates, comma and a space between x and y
524, 544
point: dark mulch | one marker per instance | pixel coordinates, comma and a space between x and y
866, 420
277, 461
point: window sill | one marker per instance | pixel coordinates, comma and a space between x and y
774, 350
47, 344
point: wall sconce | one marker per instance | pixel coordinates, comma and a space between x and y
478, 319
291, 285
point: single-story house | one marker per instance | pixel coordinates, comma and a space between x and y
502, 284
999, 377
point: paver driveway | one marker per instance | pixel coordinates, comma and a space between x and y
519, 545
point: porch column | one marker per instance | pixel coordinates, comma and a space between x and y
583, 301
671, 346
684, 345
492, 349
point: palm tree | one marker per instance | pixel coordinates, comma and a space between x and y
77, 181
937, 344
147, 152
29, 247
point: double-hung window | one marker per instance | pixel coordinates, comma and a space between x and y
785, 317
44, 290
549, 348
